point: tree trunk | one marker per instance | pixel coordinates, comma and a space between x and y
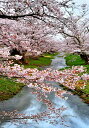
85, 57
24, 59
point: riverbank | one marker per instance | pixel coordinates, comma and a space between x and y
9, 87
81, 86
43, 60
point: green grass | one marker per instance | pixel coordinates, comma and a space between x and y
65, 68
86, 89
74, 60
8, 88
44, 60
85, 94
87, 68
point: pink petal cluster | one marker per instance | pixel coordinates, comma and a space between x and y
34, 77
85, 76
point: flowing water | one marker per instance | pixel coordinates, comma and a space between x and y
25, 102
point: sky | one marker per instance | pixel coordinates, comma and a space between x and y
78, 2
82, 1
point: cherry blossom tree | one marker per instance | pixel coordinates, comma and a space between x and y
27, 26
26, 39
40, 9
73, 26
28, 23
24, 27
60, 16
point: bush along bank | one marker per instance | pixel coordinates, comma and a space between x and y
80, 84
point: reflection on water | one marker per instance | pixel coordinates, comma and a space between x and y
77, 114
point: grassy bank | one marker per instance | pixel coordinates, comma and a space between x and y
8, 88
43, 60
75, 60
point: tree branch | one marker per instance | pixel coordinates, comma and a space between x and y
12, 17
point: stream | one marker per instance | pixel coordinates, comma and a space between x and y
25, 102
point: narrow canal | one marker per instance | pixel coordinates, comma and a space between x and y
25, 102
